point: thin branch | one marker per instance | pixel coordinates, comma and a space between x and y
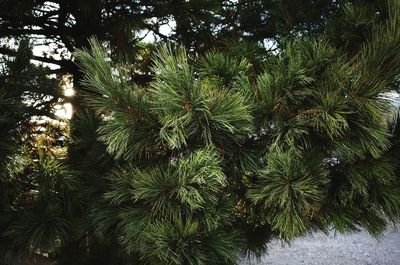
157, 32
11, 52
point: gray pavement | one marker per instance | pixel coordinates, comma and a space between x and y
319, 249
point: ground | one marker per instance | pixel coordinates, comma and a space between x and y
319, 249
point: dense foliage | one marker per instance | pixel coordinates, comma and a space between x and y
220, 151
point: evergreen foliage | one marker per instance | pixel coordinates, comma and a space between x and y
220, 153
217, 152
33, 185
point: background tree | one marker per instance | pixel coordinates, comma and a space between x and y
61, 27
31, 173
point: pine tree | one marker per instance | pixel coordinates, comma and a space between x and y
219, 154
